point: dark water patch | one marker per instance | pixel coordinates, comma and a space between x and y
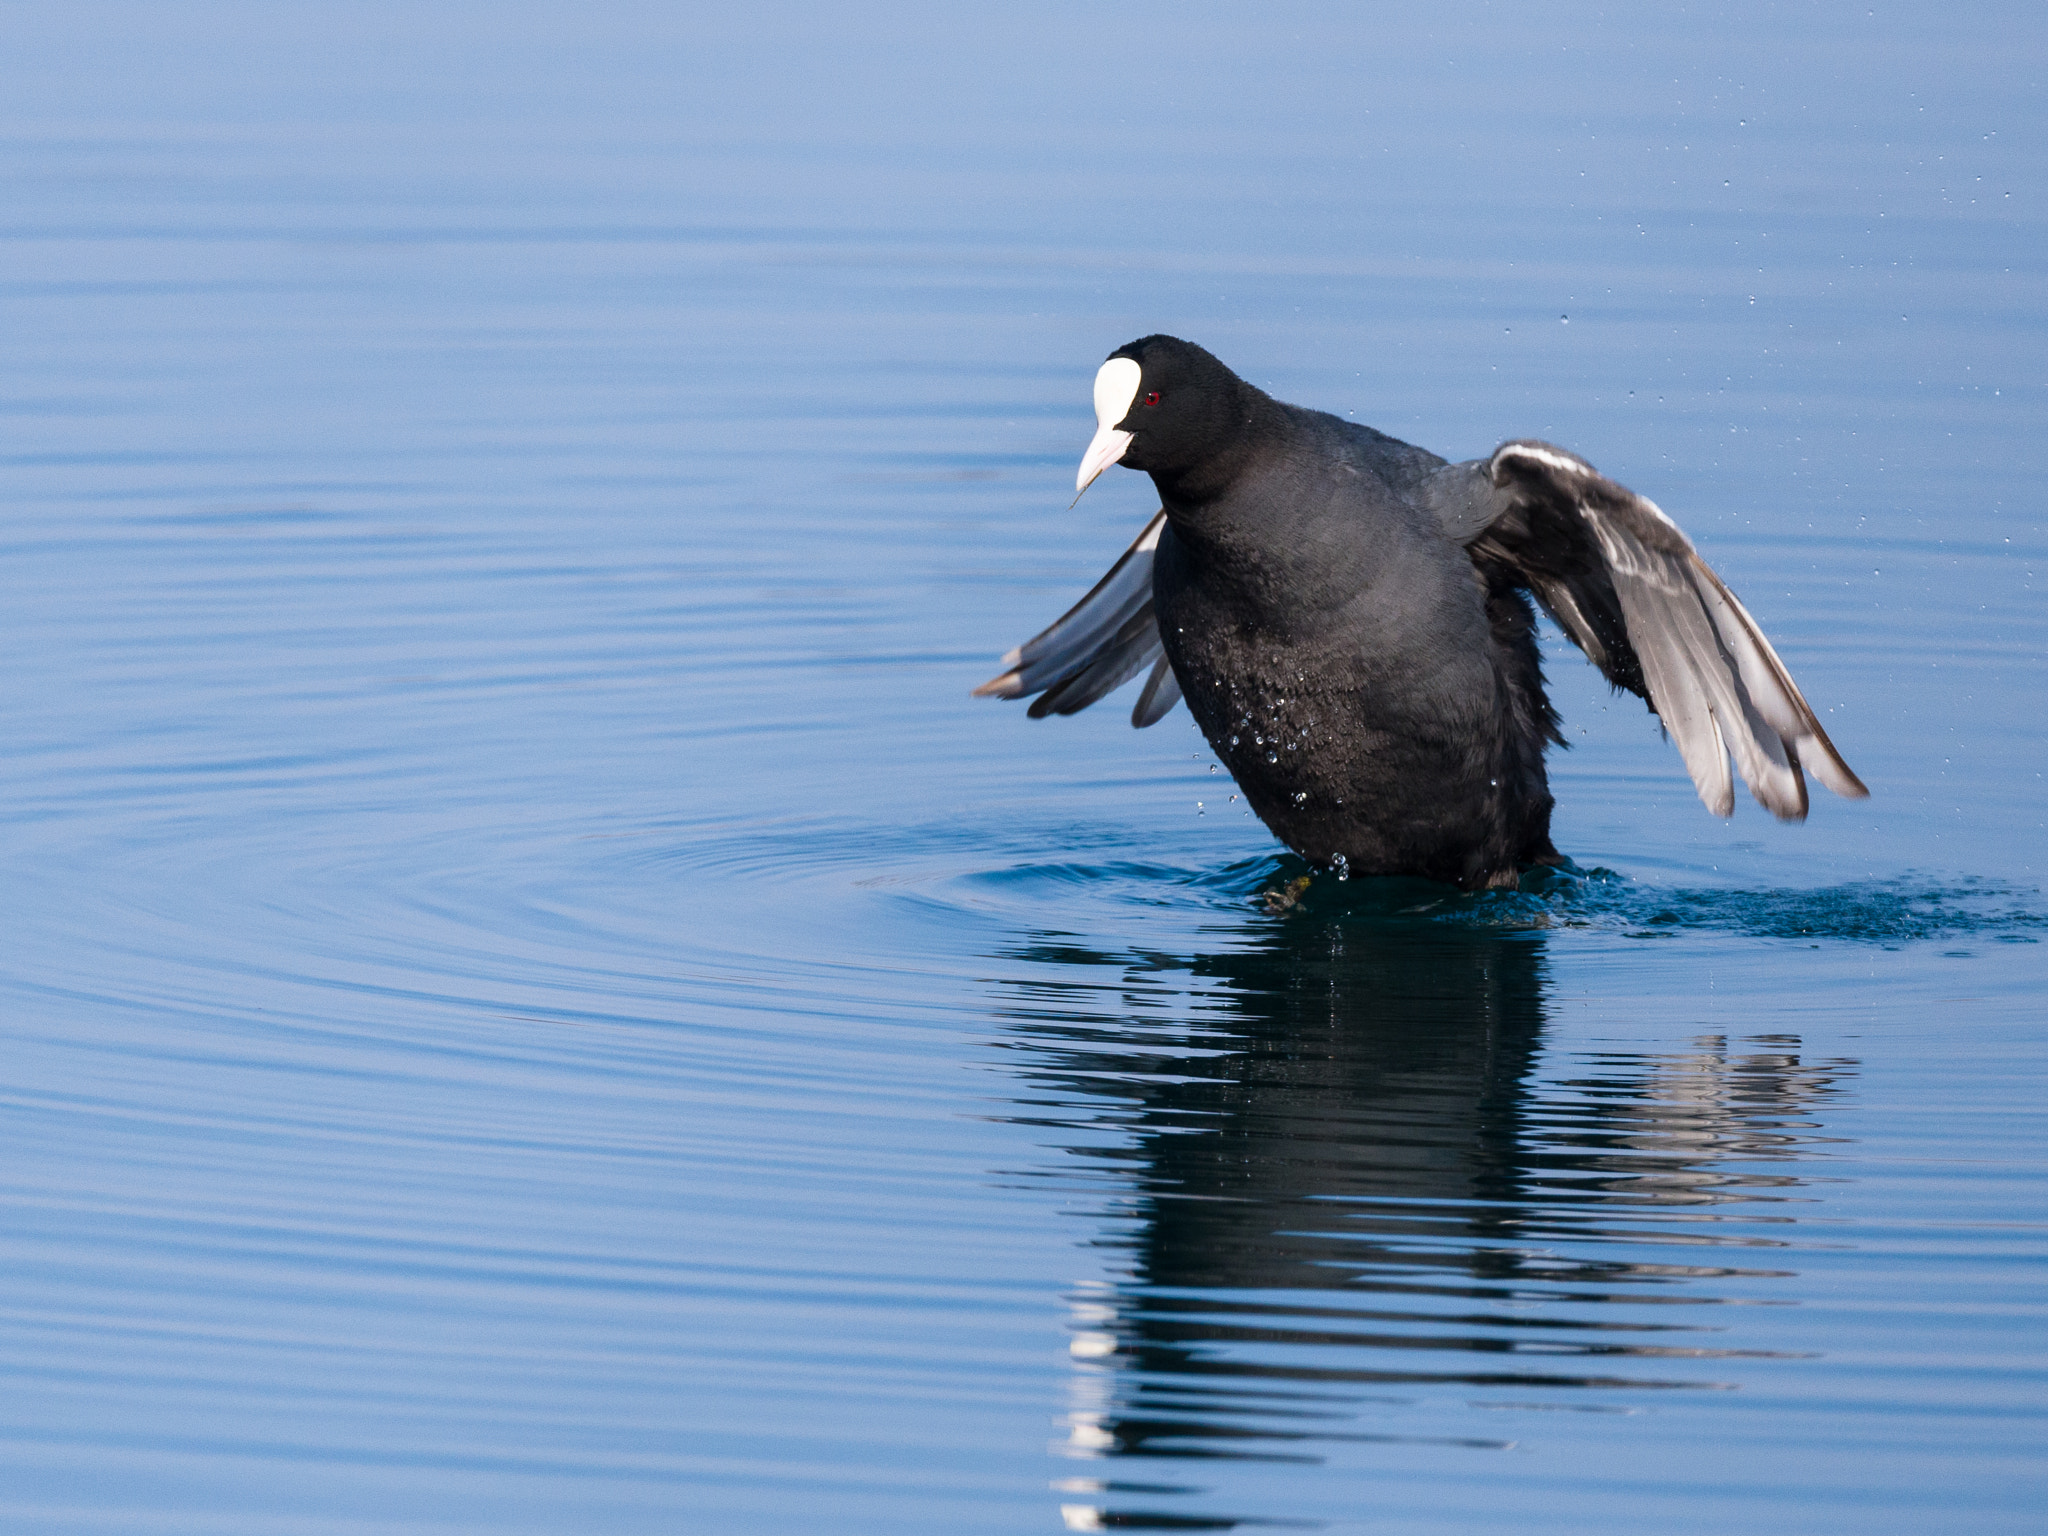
1904, 909
1900, 910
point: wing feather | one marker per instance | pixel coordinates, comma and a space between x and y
1630, 590
1770, 684
1097, 646
1160, 694
1133, 647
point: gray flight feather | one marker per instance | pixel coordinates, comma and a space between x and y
1097, 646
1631, 591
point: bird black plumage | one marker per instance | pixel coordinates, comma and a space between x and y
1349, 619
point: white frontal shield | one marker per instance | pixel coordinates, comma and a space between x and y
1116, 386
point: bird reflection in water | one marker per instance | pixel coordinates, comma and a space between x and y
1354, 1201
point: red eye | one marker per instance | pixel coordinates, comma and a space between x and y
1153, 398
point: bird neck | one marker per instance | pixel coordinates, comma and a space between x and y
1230, 442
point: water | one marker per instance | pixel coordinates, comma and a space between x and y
535, 1002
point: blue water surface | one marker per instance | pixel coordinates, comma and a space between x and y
534, 1001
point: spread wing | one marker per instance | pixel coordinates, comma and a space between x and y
1630, 590
1097, 645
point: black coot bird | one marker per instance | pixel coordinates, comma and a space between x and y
1349, 620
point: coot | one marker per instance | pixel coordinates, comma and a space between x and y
1349, 620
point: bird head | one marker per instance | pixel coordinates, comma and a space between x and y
1163, 405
